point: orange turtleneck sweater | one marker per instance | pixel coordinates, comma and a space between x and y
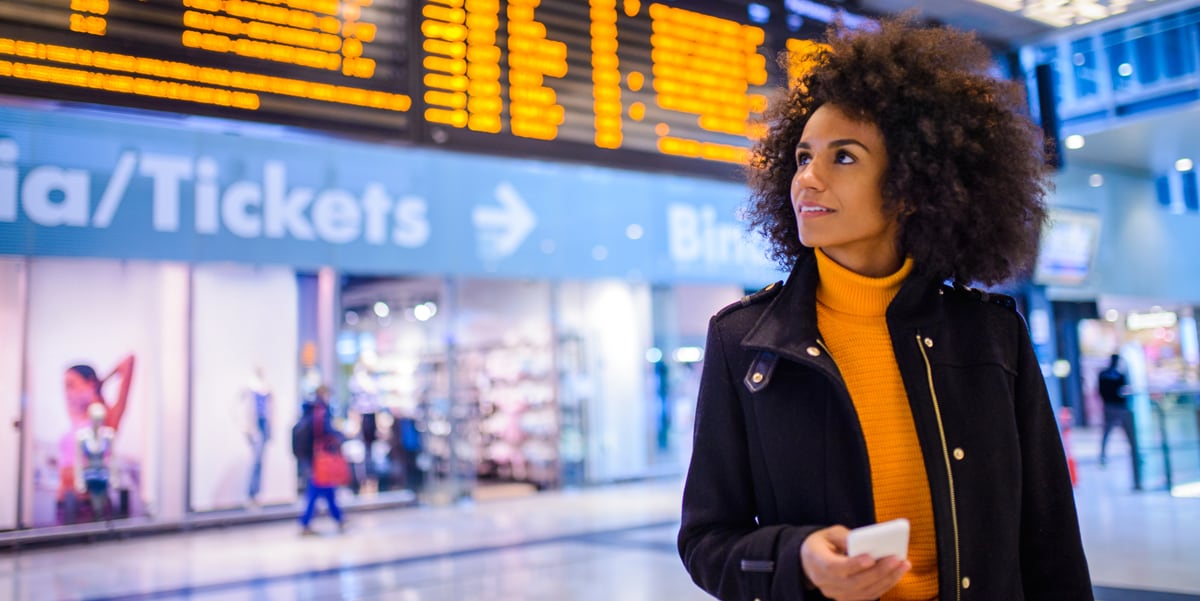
851, 312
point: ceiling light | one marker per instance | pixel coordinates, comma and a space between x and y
425, 311
1062, 368
758, 13
1125, 70
1063, 13
1074, 142
1095, 180
381, 309
1184, 164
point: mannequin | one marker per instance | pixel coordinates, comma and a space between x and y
365, 392
259, 401
82, 388
93, 451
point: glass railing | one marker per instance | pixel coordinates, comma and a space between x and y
1115, 71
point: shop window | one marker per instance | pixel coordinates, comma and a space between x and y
393, 399
611, 412
505, 409
106, 390
1157, 348
12, 331
681, 317
245, 394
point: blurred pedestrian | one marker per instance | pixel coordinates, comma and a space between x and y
1117, 414
865, 388
317, 447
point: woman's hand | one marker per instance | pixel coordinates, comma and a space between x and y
117, 410
125, 367
823, 558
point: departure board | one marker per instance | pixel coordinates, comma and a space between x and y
671, 84
332, 64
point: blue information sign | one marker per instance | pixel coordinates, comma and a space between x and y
73, 184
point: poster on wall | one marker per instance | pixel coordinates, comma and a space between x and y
95, 357
12, 333
245, 386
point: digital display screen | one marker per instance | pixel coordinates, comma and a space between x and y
1068, 247
673, 84
329, 64
663, 85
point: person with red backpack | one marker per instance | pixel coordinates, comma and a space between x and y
316, 443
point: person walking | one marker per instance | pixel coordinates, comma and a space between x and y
865, 388
317, 447
1117, 414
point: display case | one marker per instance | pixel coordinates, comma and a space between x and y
512, 391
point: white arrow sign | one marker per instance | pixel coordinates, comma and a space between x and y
502, 229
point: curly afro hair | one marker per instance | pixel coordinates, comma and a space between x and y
967, 171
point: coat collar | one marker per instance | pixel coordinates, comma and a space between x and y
788, 326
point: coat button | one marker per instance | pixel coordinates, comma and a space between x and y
757, 378
966, 583
814, 351
959, 454
928, 342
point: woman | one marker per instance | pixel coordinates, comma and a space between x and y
83, 387
864, 388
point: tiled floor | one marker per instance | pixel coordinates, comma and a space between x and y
599, 544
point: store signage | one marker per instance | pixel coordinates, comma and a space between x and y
118, 187
1149, 321
696, 235
501, 230
268, 207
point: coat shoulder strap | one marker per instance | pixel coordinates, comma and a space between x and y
766, 293
983, 296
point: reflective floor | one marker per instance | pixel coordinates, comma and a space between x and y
599, 544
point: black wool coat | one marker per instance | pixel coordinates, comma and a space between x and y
779, 452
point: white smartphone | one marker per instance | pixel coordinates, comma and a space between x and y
880, 540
